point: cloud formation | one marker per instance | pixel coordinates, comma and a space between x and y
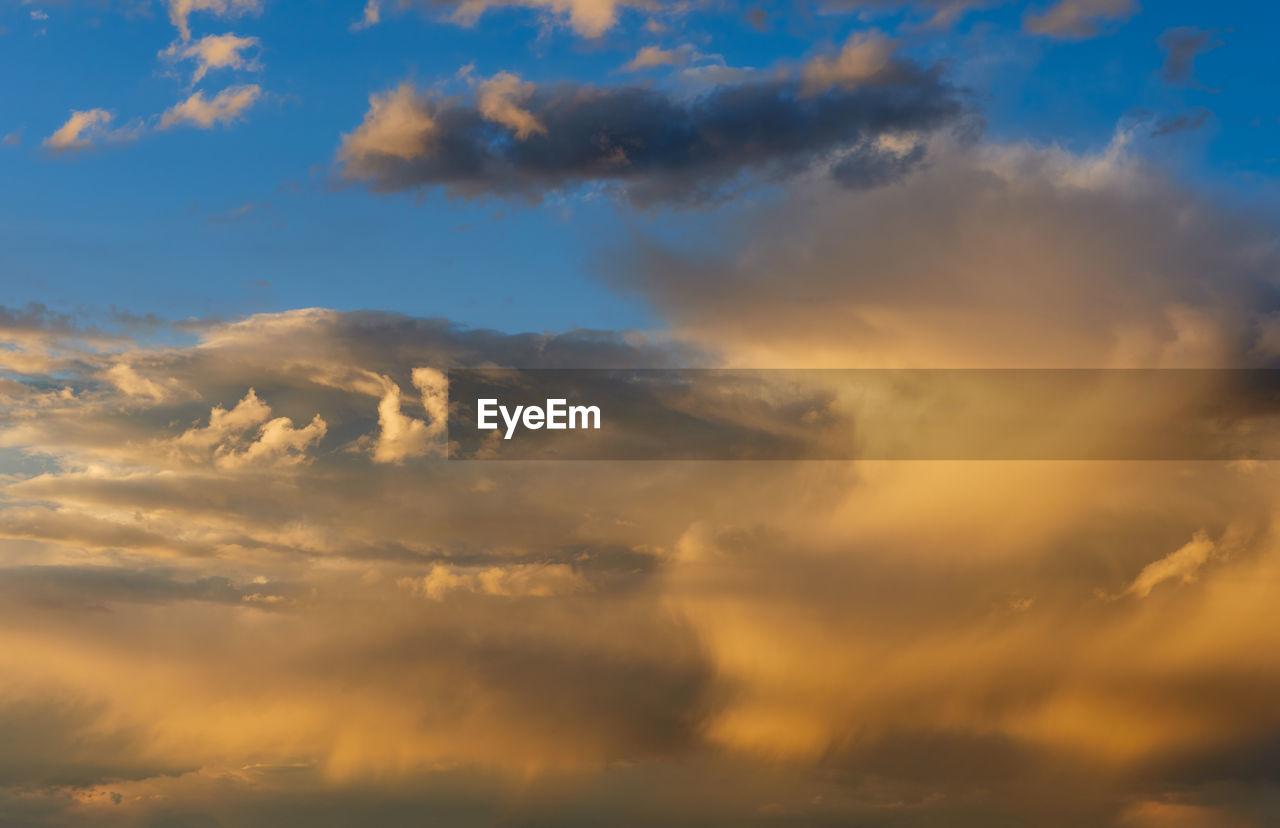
652, 57
863, 58
689, 628
1100, 262
214, 52
524, 140
205, 113
180, 11
939, 12
1182, 46
588, 18
1074, 19
86, 129
243, 586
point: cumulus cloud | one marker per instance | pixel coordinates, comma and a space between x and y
499, 100
247, 435
864, 57
396, 126
214, 52
525, 140
401, 436
1078, 18
206, 113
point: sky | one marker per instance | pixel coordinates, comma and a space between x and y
255, 210
242, 242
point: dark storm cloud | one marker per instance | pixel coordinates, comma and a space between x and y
1182, 46
651, 145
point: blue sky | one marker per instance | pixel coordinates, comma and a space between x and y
254, 215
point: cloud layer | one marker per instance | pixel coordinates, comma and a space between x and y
242, 585
520, 139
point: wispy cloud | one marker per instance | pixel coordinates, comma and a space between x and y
205, 113
214, 52
88, 128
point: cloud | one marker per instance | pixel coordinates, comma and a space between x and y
1182, 565
396, 126
1074, 19
124, 377
864, 57
214, 52
371, 17
94, 587
206, 113
588, 18
1182, 46
522, 140
86, 129
686, 628
317, 637
651, 57
247, 435
180, 11
499, 100
1185, 122
401, 436
939, 12
1066, 278
519, 580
